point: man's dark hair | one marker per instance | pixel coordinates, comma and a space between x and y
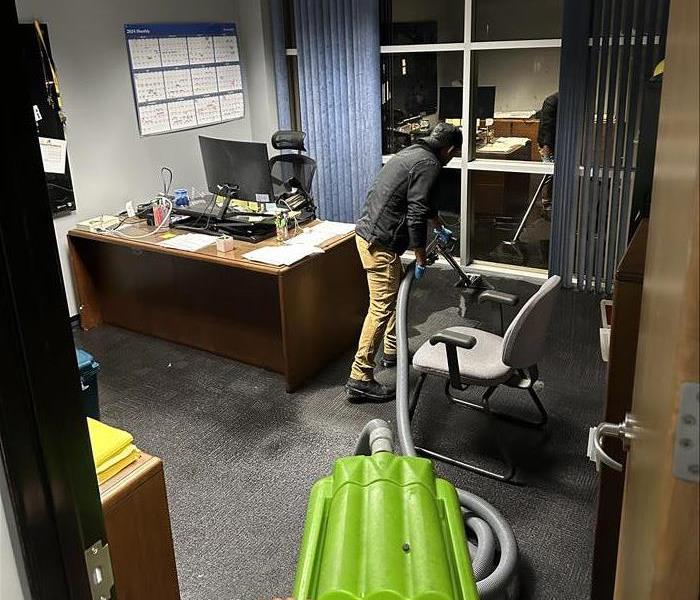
444, 135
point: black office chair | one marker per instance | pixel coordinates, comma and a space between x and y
291, 170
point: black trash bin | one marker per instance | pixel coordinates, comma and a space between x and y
88, 367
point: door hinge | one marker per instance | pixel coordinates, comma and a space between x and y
99, 568
686, 459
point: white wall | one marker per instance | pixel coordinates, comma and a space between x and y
110, 163
523, 78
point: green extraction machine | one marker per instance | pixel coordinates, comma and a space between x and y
382, 526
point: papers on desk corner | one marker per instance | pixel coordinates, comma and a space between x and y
300, 246
334, 227
190, 242
281, 256
316, 235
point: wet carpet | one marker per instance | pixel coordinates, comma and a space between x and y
240, 454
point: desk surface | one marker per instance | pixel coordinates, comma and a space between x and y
233, 258
503, 146
142, 467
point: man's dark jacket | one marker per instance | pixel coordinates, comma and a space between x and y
398, 203
546, 136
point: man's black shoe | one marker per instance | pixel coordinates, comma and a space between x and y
368, 390
388, 361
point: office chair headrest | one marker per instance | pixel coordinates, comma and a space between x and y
288, 139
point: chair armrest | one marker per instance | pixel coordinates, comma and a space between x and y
452, 338
452, 341
498, 297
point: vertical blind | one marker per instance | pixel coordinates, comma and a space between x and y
284, 117
609, 51
338, 56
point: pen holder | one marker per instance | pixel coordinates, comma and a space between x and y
224, 243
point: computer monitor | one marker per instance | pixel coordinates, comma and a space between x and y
485, 101
450, 103
245, 164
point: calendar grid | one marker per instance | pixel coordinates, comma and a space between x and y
185, 75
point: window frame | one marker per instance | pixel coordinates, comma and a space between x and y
470, 50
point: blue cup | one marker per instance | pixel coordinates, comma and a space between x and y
181, 198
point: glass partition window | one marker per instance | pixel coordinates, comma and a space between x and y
497, 20
511, 87
418, 90
512, 67
405, 22
447, 194
509, 221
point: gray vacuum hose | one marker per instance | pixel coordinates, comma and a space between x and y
376, 436
483, 520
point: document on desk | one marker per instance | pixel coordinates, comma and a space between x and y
514, 114
504, 145
334, 227
191, 242
281, 256
316, 235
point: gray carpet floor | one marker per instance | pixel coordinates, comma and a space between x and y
240, 454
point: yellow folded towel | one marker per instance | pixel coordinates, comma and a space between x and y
112, 449
130, 455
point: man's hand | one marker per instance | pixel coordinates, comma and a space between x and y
443, 234
545, 152
421, 262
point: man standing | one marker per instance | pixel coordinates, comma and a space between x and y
395, 218
546, 137
547, 133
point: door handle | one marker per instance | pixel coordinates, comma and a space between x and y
625, 432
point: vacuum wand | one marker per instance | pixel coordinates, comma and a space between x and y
466, 280
521, 226
495, 580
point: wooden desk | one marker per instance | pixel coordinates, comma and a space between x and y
137, 522
512, 127
291, 320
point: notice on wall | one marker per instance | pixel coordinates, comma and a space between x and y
53, 155
185, 75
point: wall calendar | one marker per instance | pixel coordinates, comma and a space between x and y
185, 75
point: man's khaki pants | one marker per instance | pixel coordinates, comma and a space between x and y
383, 277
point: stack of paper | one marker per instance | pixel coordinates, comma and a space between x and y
189, 241
334, 227
504, 145
514, 114
316, 235
283, 255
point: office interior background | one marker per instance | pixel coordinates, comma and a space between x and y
239, 453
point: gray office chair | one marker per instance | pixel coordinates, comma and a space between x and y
465, 356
